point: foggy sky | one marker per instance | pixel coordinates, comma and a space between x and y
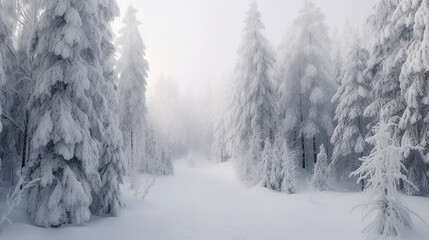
195, 41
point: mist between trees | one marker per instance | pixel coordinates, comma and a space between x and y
349, 111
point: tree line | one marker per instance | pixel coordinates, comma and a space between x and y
73, 117
357, 115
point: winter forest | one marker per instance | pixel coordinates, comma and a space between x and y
214, 120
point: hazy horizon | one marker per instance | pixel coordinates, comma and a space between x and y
194, 42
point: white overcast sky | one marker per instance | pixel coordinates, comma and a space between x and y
195, 41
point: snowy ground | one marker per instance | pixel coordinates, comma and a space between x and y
206, 202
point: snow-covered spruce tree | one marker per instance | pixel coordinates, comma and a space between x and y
307, 83
245, 164
266, 164
320, 178
28, 13
394, 58
415, 91
8, 159
4, 37
276, 173
288, 184
278, 166
383, 169
254, 108
112, 159
340, 42
221, 103
219, 152
132, 68
158, 159
353, 96
64, 153
386, 57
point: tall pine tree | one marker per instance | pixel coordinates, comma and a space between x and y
112, 159
65, 152
254, 108
415, 92
132, 68
307, 84
9, 160
353, 97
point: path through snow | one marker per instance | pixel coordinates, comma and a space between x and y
207, 202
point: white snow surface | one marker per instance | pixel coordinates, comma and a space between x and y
206, 201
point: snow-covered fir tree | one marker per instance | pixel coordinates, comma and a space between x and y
158, 158
385, 61
289, 169
8, 158
254, 109
353, 97
393, 60
415, 92
307, 83
27, 16
65, 152
112, 160
219, 152
340, 42
320, 178
383, 169
276, 173
165, 115
278, 166
132, 68
4, 32
266, 165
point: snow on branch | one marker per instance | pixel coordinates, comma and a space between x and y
141, 192
13, 198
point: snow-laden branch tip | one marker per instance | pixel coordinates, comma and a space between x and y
141, 193
13, 198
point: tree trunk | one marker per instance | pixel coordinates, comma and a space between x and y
303, 150
132, 148
25, 144
363, 180
314, 149
302, 135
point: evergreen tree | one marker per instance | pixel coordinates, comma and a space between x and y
278, 166
8, 159
111, 168
288, 184
384, 169
219, 152
158, 159
319, 181
166, 117
132, 68
276, 173
64, 150
415, 92
386, 58
393, 66
266, 165
28, 12
353, 97
307, 84
254, 107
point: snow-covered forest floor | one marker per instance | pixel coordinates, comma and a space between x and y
207, 202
